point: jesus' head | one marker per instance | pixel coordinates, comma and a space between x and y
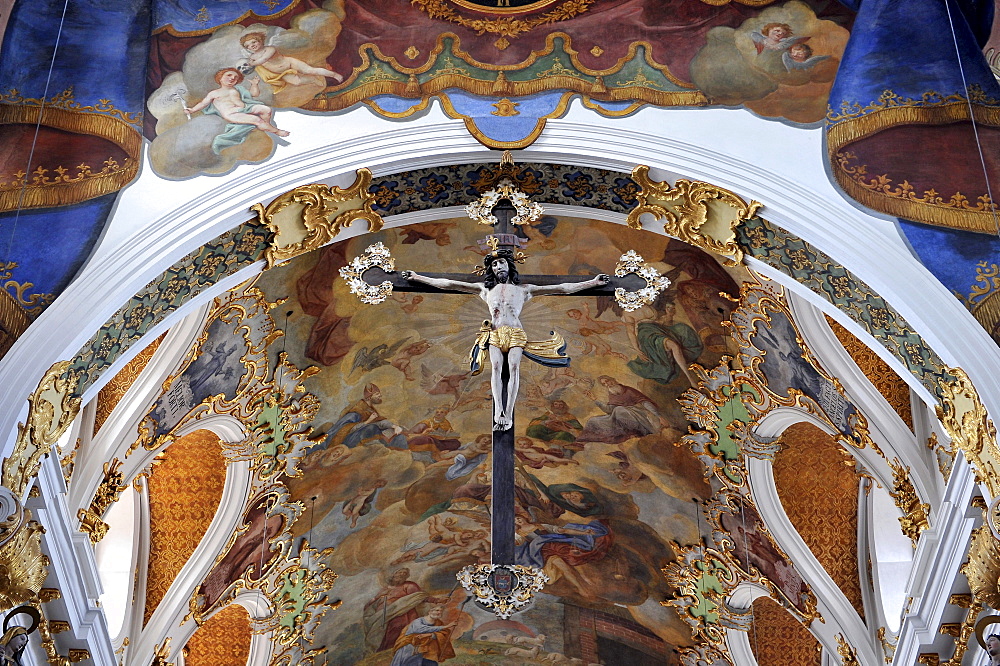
500, 269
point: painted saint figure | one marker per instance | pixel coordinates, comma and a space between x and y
393, 610
238, 106
504, 336
426, 642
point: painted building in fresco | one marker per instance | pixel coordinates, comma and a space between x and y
216, 453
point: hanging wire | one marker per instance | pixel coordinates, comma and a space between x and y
746, 547
263, 537
972, 118
312, 515
38, 127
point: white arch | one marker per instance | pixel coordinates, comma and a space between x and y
167, 618
838, 613
794, 188
888, 430
120, 429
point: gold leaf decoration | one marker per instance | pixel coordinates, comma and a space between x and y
969, 427
697, 213
51, 409
311, 216
505, 26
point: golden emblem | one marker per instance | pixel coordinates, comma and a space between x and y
505, 107
513, 20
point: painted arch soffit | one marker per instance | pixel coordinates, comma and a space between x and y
404, 493
767, 367
438, 187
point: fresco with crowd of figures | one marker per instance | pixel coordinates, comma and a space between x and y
398, 480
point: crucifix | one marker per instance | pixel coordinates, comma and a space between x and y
503, 586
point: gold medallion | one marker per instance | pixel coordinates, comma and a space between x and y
504, 6
513, 20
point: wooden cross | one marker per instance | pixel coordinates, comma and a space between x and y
505, 237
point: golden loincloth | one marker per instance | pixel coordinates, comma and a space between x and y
507, 337
546, 352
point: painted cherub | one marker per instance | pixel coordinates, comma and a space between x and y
537, 457
404, 359
278, 69
591, 331
442, 534
361, 504
800, 56
775, 37
238, 107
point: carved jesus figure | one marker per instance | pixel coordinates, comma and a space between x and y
504, 334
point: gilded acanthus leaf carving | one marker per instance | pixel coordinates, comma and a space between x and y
108, 492
311, 216
983, 568
697, 213
914, 519
23, 566
51, 409
969, 427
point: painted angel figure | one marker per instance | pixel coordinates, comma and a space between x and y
800, 56
238, 106
503, 338
775, 37
277, 69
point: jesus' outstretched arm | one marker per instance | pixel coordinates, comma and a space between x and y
454, 285
568, 287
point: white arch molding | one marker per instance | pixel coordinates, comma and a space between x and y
793, 188
832, 604
810, 210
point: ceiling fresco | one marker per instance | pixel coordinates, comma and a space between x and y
365, 502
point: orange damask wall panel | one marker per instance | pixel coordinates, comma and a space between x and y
114, 390
819, 493
224, 640
778, 639
184, 493
893, 389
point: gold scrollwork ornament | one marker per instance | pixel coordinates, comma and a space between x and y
51, 409
311, 216
23, 566
697, 213
969, 427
